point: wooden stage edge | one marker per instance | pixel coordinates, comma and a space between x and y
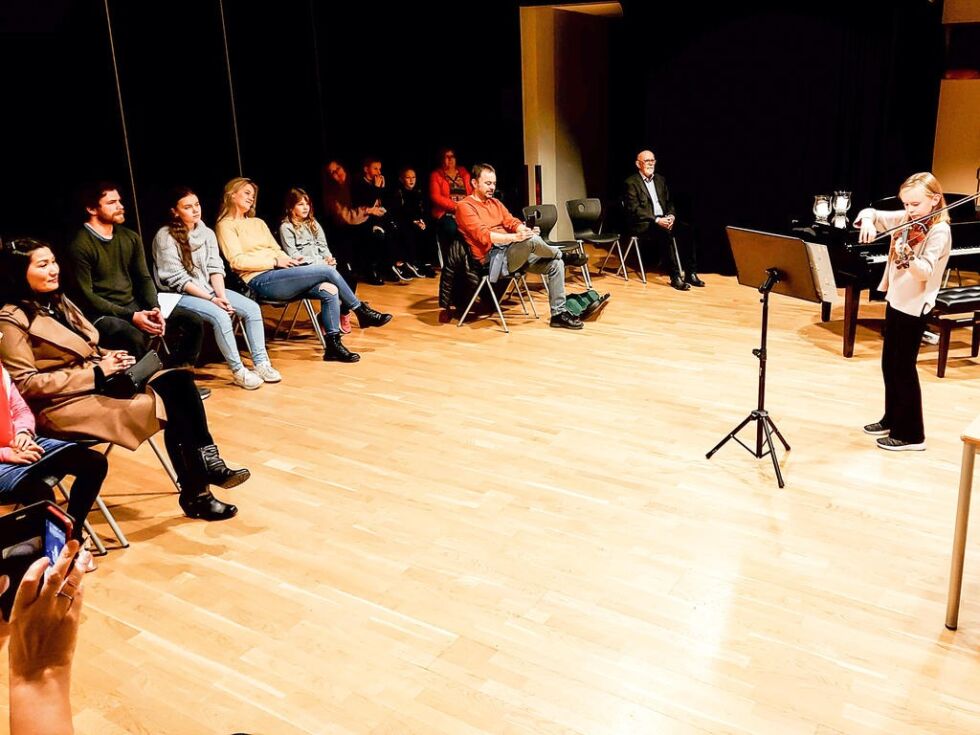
475, 532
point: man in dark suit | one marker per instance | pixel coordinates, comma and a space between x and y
651, 217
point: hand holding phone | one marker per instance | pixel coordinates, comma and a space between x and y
38, 531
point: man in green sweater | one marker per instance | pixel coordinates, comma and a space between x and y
113, 287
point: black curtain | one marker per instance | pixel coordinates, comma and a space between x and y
752, 111
312, 79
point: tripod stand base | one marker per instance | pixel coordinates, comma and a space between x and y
764, 431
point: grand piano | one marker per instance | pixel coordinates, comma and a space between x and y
859, 266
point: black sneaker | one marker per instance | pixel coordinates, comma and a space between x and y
877, 429
897, 445
566, 320
402, 273
575, 259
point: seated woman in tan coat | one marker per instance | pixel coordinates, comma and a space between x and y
52, 354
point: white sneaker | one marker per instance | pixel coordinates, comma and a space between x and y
930, 338
268, 373
246, 379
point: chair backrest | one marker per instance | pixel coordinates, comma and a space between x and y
546, 216
585, 215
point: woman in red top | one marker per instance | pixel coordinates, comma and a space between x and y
448, 185
27, 460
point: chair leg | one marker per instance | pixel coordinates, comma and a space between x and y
496, 304
975, 344
111, 520
586, 276
639, 259
516, 285
676, 255
472, 301
530, 299
282, 315
604, 260
100, 549
945, 327
316, 322
292, 324
163, 462
241, 329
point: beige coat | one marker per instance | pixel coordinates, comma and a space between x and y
53, 368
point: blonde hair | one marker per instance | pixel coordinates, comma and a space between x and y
932, 187
233, 187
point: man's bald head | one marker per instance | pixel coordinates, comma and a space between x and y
646, 163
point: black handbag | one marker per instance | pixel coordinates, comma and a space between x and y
127, 383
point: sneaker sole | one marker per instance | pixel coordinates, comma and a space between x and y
883, 432
904, 448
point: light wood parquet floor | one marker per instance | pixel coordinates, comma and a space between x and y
472, 532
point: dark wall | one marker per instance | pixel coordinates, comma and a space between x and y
752, 112
398, 82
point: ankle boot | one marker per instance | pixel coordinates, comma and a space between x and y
212, 468
335, 350
368, 317
200, 503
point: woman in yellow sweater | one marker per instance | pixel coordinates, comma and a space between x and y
253, 253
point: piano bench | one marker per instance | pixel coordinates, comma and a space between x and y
956, 307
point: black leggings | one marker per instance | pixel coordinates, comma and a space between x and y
187, 423
87, 466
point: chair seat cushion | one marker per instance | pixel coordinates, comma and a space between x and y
606, 238
564, 244
958, 300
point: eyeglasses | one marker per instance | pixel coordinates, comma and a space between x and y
648, 160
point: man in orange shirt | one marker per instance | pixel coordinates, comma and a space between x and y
484, 222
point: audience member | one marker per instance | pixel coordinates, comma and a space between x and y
186, 261
347, 221
109, 277
448, 185
652, 218
303, 238
53, 355
407, 212
377, 246
256, 257
28, 460
484, 222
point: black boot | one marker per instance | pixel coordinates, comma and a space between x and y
336, 352
202, 504
212, 468
368, 317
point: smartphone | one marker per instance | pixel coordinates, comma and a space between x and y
41, 529
532, 220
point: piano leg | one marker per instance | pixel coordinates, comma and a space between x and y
825, 311
852, 299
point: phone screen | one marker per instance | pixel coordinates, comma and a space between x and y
54, 540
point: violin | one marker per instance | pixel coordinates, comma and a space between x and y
907, 241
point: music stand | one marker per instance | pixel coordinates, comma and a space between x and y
769, 263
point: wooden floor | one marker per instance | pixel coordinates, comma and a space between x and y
474, 532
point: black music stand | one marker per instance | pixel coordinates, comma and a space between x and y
769, 263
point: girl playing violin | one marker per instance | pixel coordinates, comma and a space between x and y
916, 263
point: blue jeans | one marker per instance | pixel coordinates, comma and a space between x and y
305, 281
224, 333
